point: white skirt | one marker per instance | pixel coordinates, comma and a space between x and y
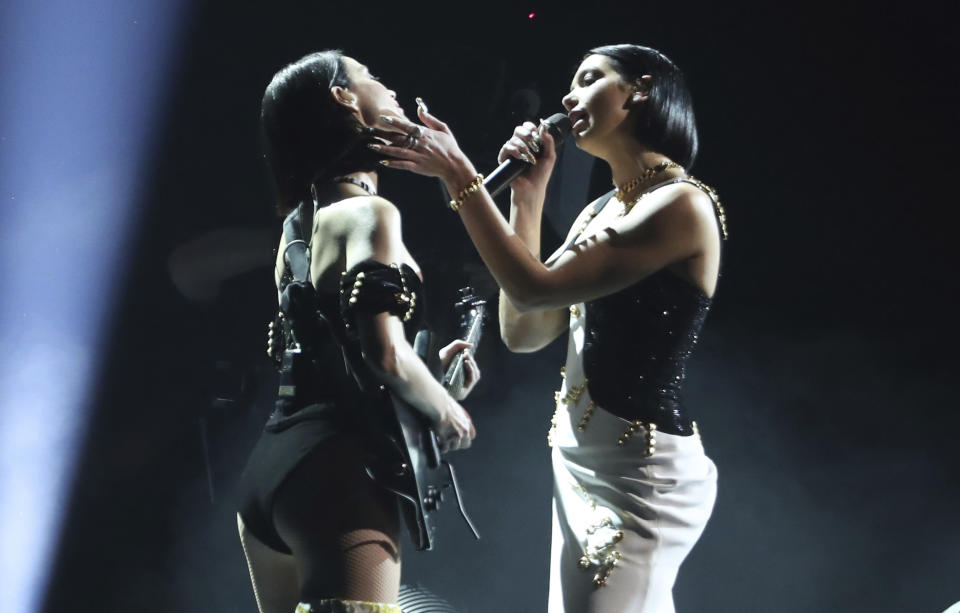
629, 504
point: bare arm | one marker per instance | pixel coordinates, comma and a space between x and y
382, 340
525, 332
630, 248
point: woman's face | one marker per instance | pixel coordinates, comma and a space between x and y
599, 102
373, 98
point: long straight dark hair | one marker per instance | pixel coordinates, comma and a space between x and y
307, 136
665, 123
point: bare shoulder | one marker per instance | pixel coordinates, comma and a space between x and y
361, 228
683, 207
358, 215
694, 196
377, 206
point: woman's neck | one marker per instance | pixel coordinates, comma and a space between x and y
360, 183
349, 185
632, 160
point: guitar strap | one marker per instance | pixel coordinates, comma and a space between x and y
297, 225
298, 303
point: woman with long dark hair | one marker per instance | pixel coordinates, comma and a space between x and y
633, 488
319, 534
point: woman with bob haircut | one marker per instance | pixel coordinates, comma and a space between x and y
318, 533
633, 488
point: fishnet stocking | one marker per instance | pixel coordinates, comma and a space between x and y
343, 529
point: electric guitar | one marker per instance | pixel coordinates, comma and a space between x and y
417, 473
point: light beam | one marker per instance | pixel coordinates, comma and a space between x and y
79, 98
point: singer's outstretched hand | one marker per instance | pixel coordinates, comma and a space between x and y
429, 149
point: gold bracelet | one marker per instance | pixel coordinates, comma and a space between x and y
466, 192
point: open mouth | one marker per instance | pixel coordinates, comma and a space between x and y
578, 122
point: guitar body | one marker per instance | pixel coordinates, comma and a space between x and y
417, 473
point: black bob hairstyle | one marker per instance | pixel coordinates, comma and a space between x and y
665, 123
308, 137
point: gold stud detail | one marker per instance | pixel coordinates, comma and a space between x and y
650, 429
587, 414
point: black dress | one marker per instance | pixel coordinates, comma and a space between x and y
327, 392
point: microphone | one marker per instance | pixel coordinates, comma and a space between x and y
558, 125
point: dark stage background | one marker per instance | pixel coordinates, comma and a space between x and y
822, 385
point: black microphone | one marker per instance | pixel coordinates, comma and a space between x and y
558, 125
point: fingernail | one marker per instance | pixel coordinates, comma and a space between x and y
374, 146
526, 158
384, 162
386, 118
422, 104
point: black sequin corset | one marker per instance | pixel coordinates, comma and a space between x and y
636, 347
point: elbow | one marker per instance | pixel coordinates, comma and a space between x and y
517, 342
536, 294
511, 340
524, 301
533, 303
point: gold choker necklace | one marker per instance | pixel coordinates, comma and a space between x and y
646, 175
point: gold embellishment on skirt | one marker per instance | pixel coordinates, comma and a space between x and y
574, 393
553, 428
608, 560
603, 523
572, 397
334, 605
587, 413
602, 558
649, 429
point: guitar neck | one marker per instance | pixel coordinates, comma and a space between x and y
453, 380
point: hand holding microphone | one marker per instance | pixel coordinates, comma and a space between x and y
527, 159
432, 150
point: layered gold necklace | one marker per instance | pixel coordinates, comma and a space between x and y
634, 185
